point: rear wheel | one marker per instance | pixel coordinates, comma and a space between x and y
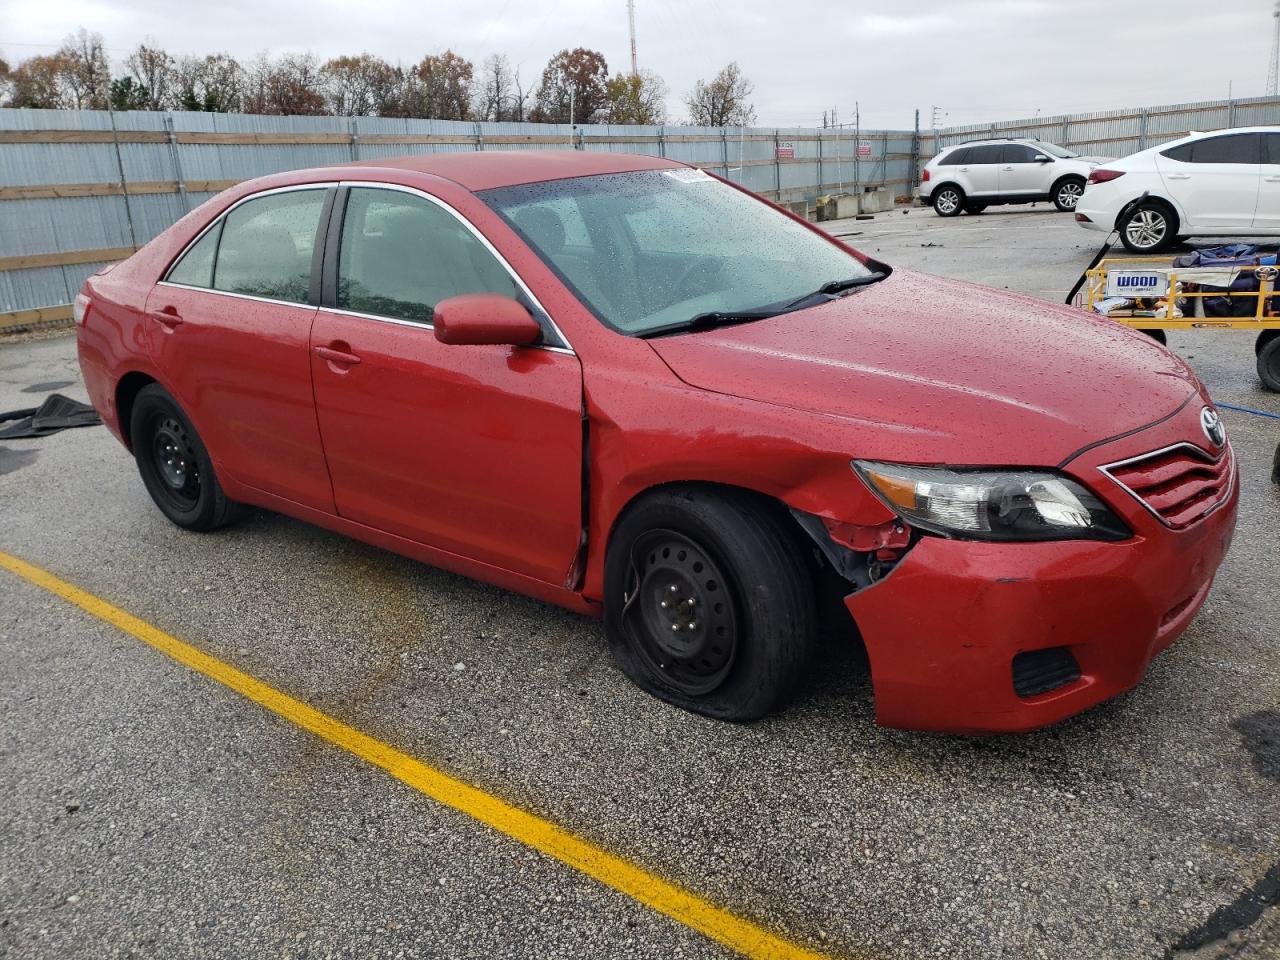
1066, 193
1157, 335
948, 201
974, 207
1269, 362
174, 464
709, 602
1149, 229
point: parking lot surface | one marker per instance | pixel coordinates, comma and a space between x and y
150, 811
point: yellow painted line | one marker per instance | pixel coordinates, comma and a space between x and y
661, 895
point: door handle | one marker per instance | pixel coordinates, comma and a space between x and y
338, 356
1272, 179
1179, 176
1007, 169
168, 316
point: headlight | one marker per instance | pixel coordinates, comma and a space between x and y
992, 504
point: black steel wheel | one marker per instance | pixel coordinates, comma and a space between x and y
174, 464
709, 601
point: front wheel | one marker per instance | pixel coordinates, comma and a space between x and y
948, 201
1067, 194
1148, 229
174, 464
709, 602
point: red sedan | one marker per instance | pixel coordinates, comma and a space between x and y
622, 385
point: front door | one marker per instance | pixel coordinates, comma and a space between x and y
1020, 174
230, 328
476, 450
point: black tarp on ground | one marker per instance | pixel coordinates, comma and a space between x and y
55, 413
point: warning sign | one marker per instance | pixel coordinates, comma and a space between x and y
786, 150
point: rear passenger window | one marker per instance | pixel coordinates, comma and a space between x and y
1271, 148
266, 246
402, 254
988, 154
955, 158
1233, 148
1018, 153
195, 269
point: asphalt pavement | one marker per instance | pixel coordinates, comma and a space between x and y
149, 811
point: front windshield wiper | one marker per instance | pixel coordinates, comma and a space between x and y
829, 289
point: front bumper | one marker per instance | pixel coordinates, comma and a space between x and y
942, 629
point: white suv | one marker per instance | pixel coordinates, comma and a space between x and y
975, 175
1220, 184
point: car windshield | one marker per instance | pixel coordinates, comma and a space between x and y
663, 250
1054, 150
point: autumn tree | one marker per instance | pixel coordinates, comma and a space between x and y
359, 86
439, 87
37, 83
723, 102
152, 70
578, 76
214, 84
6, 86
290, 87
86, 78
637, 98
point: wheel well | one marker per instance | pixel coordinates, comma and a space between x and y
948, 183
1175, 220
772, 504
126, 391
1063, 179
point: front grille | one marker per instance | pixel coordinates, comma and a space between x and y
1039, 671
1179, 484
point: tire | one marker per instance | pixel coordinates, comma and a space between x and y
1066, 193
1157, 335
1269, 364
974, 207
1149, 229
751, 589
174, 464
948, 200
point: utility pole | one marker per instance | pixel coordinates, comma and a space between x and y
572, 127
631, 17
1273, 65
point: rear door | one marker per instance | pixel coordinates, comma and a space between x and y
1267, 214
982, 170
476, 450
1020, 174
1215, 180
230, 328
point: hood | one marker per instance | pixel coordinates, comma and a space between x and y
1094, 161
928, 370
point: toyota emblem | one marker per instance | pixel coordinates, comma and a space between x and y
1211, 423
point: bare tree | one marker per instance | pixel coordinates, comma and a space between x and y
359, 86
579, 77
154, 71
87, 77
496, 94
722, 102
637, 98
38, 82
214, 84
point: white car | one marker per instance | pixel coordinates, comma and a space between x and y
975, 175
1220, 184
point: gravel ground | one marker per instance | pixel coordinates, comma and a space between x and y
149, 812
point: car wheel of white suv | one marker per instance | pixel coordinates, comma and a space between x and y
948, 201
1149, 229
1066, 193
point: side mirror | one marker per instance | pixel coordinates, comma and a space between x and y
1041, 158
484, 318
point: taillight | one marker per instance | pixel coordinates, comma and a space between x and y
925, 178
80, 308
1102, 176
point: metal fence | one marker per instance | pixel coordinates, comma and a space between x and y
82, 188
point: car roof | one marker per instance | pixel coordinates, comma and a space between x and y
486, 169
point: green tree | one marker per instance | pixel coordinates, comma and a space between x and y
128, 94
576, 77
637, 98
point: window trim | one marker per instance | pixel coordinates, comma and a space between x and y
334, 239
312, 300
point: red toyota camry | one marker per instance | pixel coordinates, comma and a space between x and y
630, 388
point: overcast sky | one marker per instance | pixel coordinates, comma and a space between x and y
977, 59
